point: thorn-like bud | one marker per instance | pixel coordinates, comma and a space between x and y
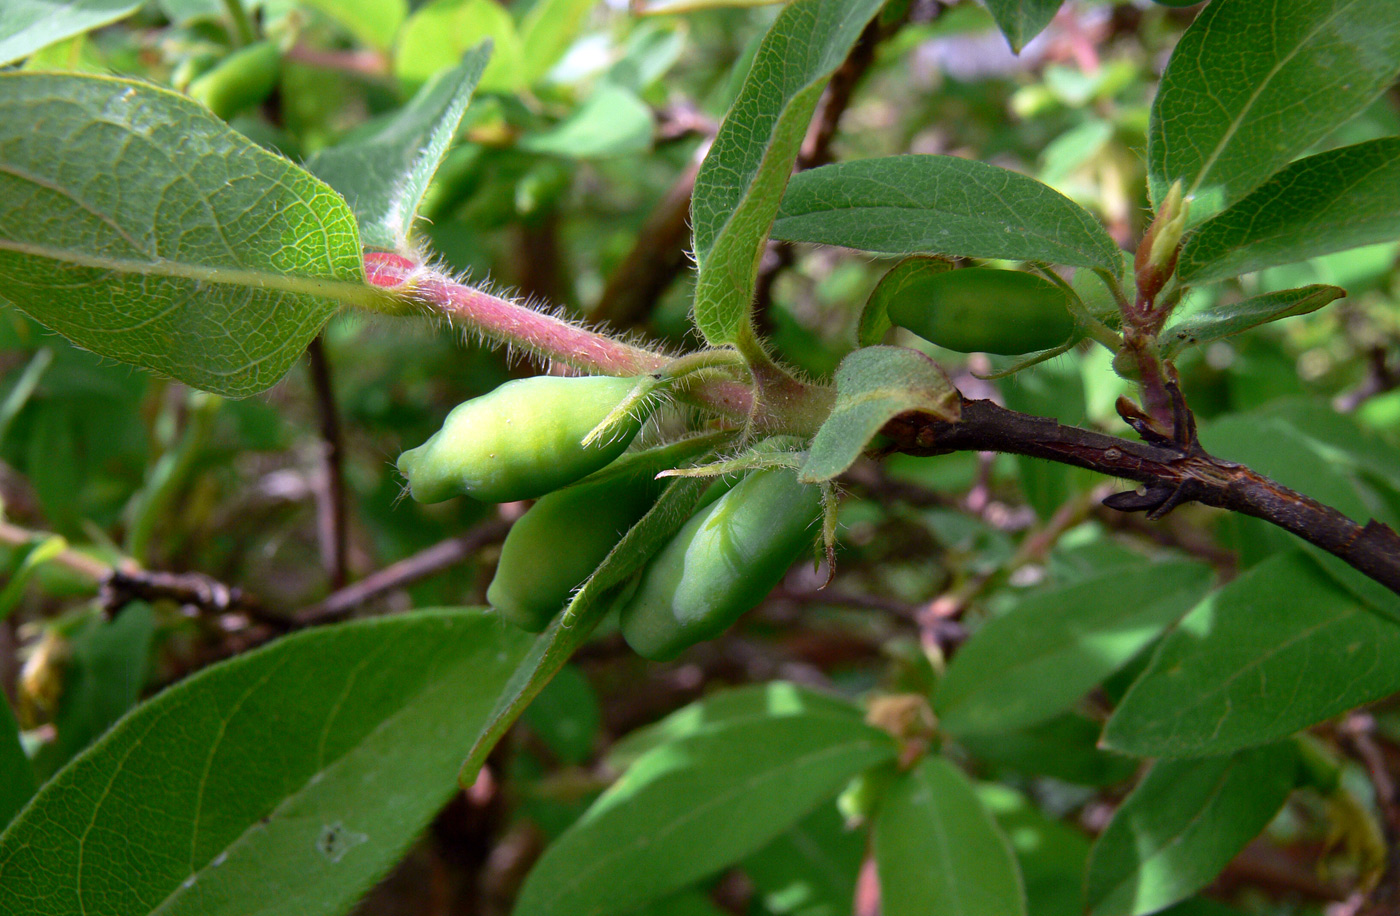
1161, 243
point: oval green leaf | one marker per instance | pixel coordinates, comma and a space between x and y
284, 781
1228, 676
690, 807
142, 228
916, 204
938, 851
1184, 823
1337, 200
1252, 84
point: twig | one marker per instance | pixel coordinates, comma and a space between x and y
1380, 378
405, 572
364, 62
194, 590
1357, 737
1173, 474
655, 260
80, 563
330, 507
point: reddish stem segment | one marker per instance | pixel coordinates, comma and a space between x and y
508, 322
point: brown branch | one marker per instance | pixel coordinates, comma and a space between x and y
195, 590
330, 503
657, 258
1172, 474
405, 572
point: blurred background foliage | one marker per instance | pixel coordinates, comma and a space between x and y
568, 185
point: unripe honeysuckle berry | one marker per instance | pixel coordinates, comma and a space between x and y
985, 310
239, 81
522, 440
556, 545
721, 563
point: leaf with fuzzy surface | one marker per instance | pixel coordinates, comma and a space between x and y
142, 228
874, 385
384, 171
741, 182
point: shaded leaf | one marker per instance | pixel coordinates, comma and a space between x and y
611, 122
374, 23
437, 35
1050, 854
1336, 200
1251, 85
547, 31
690, 807
1229, 676
1022, 20
939, 852
741, 704
741, 182
383, 171
215, 266
18, 784
1057, 643
811, 869
283, 781
566, 716
873, 385
1062, 748
32, 556
1182, 825
102, 679
1221, 321
917, 204
28, 25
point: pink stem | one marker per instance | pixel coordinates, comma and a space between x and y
508, 322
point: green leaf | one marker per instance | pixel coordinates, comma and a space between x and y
611, 122
692, 806
28, 25
811, 869
874, 385
741, 182
142, 228
384, 171
917, 204
1062, 748
1022, 20
938, 851
1328, 457
284, 781
18, 785
748, 703
1221, 321
1054, 390
547, 31
1184, 823
1057, 643
374, 23
566, 716
875, 317
1051, 854
35, 554
1229, 676
436, 36
1341, 199
1248, 88
102, 679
